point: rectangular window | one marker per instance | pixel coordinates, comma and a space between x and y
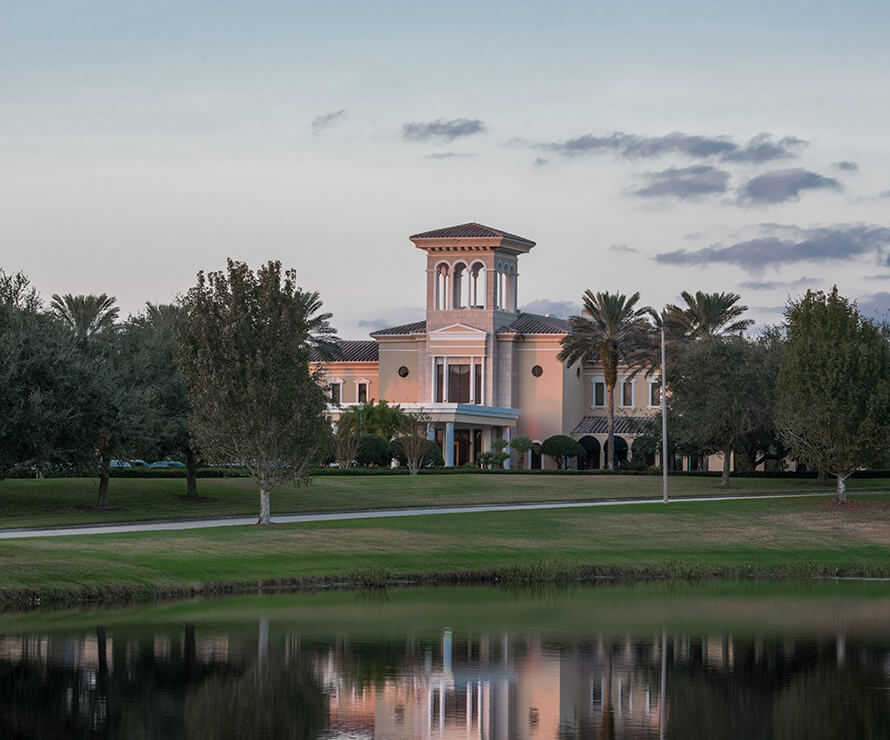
440, 383
335, 393
477, 381
458, 383
627, 393
599, 394
654, 394
362, 392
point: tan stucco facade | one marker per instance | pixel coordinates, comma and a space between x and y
479, 367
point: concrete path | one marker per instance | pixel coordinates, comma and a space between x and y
158, 526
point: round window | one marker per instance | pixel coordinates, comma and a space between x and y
403, 372
537, 371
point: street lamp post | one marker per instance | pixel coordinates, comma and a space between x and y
664, 422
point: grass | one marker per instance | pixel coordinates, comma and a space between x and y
743, 608
69, 501
778, 537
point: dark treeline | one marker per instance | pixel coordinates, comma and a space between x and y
79, 388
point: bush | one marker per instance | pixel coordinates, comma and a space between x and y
432, 458
373, 450
560, 447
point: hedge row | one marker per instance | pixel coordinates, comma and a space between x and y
234, 472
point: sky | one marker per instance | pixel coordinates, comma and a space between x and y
645, 146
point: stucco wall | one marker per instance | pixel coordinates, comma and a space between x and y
541, 398
393, 355
350, 373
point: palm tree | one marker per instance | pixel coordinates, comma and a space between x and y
706, 315
85, 315
615, 332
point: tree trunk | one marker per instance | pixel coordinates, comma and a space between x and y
727, 457
191, 473
610, 426
842, 488
102, 501
265, 507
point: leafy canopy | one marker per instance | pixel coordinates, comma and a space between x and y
244, 347
833, 389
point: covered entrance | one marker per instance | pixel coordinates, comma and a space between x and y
463, 430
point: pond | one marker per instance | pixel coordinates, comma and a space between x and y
711, 660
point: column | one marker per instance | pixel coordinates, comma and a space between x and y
445, 398
507, 434
431, 431
449, 444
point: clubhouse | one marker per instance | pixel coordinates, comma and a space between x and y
480, 368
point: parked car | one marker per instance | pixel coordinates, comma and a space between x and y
119, 464
139, 463
167, 464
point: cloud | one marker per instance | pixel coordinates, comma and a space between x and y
879, 276
442, 130
778, 186
320, 123
373, 323
846, 166
876, 304
760, 148
685, 183
560, 309
838, 242
883, 194
623, 248
540, 162
776, 284
449, 155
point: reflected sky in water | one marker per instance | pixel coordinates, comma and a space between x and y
458, 664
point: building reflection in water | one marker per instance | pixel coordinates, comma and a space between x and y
183, 682
502, 687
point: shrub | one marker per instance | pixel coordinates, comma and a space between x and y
373, 450
432, 458
560, 447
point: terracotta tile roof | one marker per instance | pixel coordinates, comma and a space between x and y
361, 350
532, 323
598, 424
418, 327
470, 231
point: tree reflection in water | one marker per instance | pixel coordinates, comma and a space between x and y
267, 681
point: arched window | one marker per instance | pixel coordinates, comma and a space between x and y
591, 460
441, 287
459, 286
502, 287
478, 274
621, 449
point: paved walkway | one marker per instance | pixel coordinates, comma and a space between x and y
158, 526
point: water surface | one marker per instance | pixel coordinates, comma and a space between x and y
737, 660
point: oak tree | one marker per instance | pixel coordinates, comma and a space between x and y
244, 347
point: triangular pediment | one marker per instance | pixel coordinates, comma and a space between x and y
456, 329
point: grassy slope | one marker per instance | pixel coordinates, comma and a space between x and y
740, 607
801, 535
67, 501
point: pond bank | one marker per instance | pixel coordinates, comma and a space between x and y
544, 573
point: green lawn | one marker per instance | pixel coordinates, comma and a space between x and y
68, 501
796, 536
